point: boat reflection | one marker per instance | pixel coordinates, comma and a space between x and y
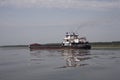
70, 57
73, 57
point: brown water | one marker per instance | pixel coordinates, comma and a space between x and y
22, 64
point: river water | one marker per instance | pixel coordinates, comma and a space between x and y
23, 64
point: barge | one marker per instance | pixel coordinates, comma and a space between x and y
71, 41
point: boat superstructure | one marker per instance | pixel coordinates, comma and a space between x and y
73, 39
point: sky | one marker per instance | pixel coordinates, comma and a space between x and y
47, 21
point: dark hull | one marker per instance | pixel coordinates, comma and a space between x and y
40, 47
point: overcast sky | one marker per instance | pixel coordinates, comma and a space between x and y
47, 21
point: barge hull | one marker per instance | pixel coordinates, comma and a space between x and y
59, 47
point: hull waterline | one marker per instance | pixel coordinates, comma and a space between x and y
59, 47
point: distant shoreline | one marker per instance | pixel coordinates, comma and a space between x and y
95, 45
13, 46
105, 48
105, 45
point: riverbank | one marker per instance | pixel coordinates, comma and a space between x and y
105, 45
95, 45
4, 46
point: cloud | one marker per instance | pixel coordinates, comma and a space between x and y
80, 4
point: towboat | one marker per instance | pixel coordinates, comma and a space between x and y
71, 41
